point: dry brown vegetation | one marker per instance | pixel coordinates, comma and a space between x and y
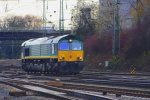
134, 41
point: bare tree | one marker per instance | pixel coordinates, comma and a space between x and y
84, 16
138, 8
20, 23
32, 22
105, 20
3, 25
101, 15
15, 22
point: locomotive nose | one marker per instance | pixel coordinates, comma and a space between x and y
70, 56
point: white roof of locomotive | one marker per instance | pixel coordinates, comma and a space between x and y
43, 40
55, 40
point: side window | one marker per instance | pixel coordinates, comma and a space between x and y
53, 49
26, 52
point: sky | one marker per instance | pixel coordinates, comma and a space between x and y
35, 7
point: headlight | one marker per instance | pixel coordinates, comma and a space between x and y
62, 58
70, 40
79, 58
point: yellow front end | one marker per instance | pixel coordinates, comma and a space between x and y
70, 56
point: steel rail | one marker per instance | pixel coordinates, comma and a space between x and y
39, 93
110, 89
70, 95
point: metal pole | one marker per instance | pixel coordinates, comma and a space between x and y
116, 33
12, 49
61, 18
138, 12
44, 24
113, 36
118, 29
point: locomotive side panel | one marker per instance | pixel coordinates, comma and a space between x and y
45, 49
35, 50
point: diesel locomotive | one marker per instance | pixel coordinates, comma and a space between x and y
55, 54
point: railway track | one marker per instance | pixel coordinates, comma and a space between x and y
112, 80
108, 89
114, 73
63, 88
52, 92
118, 84
98, 78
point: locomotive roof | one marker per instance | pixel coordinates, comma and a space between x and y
43, 40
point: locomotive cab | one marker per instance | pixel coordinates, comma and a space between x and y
70, 54
70, 50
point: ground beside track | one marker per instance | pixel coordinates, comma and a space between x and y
17, 64
10, 62
4, 95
